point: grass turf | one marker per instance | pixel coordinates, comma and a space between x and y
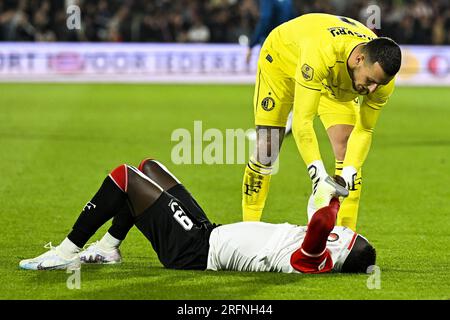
59, 141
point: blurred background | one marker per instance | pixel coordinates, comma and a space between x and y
213, 21
209, 41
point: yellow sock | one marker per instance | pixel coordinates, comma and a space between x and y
348, 212
255, 188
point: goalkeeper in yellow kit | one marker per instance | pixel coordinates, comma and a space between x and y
325, 65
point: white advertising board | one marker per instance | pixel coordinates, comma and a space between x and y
174, 63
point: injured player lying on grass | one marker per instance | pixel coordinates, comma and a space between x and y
154, 200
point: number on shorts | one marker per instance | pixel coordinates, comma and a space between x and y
180, 216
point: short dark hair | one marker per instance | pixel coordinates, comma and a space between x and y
386, 52
361, 257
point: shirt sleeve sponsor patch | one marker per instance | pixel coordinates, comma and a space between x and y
307, 72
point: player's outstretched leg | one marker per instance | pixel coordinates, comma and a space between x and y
312, 257
102, 207
257, 174
106, 251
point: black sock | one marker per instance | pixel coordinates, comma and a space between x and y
122, 222
103, 206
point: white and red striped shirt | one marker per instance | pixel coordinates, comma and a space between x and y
260, 246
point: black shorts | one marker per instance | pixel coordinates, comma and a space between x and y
176, 236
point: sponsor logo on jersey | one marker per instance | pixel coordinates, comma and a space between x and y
268, 103
343, 31
333, 237
307, 72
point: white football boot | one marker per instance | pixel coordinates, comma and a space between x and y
51, 260
326, 189
95, 254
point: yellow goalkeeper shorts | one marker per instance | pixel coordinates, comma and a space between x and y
274, 92
332, 112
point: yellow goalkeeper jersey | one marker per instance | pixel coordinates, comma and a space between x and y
313, 49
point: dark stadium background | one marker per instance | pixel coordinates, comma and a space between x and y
406, 21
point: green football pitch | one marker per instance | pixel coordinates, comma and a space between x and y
59, 141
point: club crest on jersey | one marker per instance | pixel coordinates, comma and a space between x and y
268, 104
333, 237
307, 72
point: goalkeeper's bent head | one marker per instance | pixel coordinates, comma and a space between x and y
386, 52
374, 64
